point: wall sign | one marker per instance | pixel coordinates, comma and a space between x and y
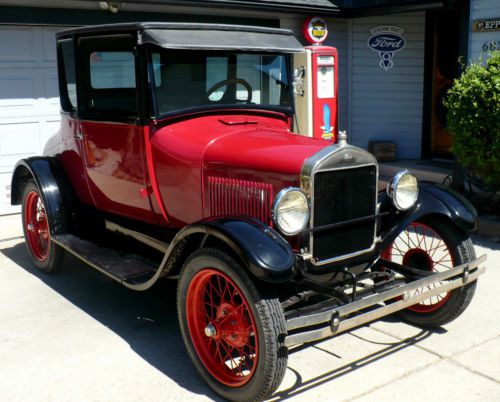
491, 46
386, 40
489, 25
315, 30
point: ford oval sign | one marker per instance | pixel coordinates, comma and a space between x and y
386, 40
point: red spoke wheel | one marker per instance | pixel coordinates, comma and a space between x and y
436, 246
36, 226
233, 329
45, 255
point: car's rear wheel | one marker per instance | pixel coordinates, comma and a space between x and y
233, 328
434, 245
45, 255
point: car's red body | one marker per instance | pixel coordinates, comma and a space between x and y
160, 173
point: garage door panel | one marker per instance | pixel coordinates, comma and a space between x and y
18, 44
29, 98
50, 102
18, 93
18, 141
49, 44
5, 186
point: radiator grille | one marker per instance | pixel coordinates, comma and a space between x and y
341, 195
240, 197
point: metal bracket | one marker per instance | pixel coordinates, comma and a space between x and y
465, 275
354, 282
335, 322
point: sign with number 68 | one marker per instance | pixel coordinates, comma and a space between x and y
492, 45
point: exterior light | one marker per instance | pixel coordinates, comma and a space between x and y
403, 190
291, 211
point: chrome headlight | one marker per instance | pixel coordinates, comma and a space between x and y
291, 211
403, 190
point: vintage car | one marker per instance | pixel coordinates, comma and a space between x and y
176, 158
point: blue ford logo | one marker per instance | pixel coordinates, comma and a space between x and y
386, 43
386, 40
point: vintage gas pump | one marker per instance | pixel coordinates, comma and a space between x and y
316, 84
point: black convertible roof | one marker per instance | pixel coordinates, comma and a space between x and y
172, 35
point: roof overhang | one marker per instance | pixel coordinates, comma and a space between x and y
325, 7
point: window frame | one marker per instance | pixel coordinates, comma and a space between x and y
66, 106
156, 115
102, 43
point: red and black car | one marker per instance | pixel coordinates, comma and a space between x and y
176, 158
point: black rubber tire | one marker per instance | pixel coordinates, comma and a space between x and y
55, 253
269, 319
462, 250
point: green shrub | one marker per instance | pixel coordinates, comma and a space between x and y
473, 118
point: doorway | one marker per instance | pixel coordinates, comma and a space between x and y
443, 49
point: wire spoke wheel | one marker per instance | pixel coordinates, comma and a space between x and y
232, 325
222, 327
433, 246
419, 246
36, 226
45, 255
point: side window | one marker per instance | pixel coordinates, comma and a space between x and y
67, 86
108, 79
157, 67
112, 70
216, 72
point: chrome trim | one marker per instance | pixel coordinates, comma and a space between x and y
343, 312
332, 158
277, 201
393, 184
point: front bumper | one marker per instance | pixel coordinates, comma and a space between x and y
316, 325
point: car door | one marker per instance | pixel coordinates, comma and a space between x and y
109, 127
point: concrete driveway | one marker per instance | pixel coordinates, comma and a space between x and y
78, 336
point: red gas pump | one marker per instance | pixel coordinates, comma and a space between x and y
316, 84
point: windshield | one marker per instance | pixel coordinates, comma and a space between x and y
191, 79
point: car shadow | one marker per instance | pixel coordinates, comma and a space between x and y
147, 321
491, 243
301, 386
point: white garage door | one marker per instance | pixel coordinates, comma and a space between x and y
29, 98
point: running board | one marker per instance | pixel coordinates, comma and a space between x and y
126, 268
338, 319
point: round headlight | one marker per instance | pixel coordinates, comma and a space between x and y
403, 190
291, 211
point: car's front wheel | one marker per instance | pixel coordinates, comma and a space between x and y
233, 328
434, 245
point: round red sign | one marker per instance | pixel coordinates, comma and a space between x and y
315, 30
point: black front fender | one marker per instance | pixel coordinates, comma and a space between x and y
266, 254
433, 199
54, 189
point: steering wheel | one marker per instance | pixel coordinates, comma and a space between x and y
241, 81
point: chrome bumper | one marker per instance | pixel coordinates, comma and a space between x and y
337, 319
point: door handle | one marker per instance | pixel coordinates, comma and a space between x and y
78, 135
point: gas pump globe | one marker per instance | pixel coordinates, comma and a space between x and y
316, 81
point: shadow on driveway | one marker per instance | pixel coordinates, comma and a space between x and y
147, 321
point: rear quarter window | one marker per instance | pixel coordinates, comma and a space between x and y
112, 69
